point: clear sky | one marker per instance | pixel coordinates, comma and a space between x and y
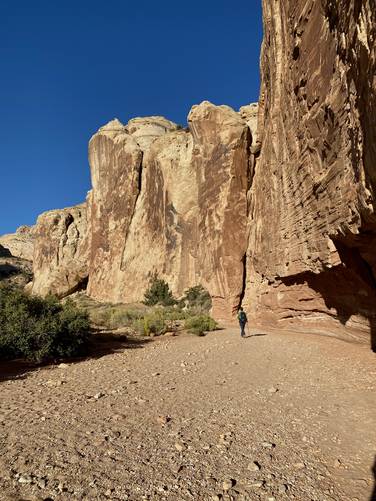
68, 67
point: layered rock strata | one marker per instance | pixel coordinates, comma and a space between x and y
311, 260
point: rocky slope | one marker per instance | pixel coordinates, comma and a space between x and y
311, 260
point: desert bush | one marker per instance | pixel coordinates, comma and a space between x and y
159, 293
39, 329
200, 324
197, 299
114, 316
152, 323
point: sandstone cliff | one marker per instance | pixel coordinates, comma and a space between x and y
311, 260
281, 219
173, 203
21, 243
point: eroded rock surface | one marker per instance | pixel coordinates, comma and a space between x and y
61, 251
311, 260
173, 203
21, 243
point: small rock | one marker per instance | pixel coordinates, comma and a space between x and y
63, 366
228, 484
163, 420
299, 466
255, 466
268, 445
258, 484
337, 463
273, 390
155, 374
42, 483
25, 479
217, 497
179, 447
282, 488
98, 395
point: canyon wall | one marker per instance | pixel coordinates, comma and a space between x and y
311, 263
281, 219
171, 202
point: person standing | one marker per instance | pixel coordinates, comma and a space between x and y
242, 317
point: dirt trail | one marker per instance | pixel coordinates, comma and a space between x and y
270, 417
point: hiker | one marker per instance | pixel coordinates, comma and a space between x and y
242, 317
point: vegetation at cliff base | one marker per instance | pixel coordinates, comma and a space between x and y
39, 329
158, 293
159, 313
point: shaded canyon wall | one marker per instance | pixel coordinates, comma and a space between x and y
311, 261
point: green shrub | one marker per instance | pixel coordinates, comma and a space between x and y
153, 323
197, 299
39, 329
113, 316
159, 293
200, 324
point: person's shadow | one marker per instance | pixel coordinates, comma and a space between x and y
373, 495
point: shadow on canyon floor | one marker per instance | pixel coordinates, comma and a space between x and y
104, 343
348, 290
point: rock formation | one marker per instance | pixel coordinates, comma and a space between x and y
21, 243
61, 251
282, 219
311, 262
173, 203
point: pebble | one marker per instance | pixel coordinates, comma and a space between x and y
268, 445
98, 395
42, 483
163, 420
282, 488
299, 466
25, 479
179, 447
257, 484
273, 390
228, 484
254, 466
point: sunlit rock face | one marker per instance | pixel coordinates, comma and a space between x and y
21, 243
172, 202
311, 262
61, 252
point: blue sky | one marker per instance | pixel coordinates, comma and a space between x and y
69, 67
